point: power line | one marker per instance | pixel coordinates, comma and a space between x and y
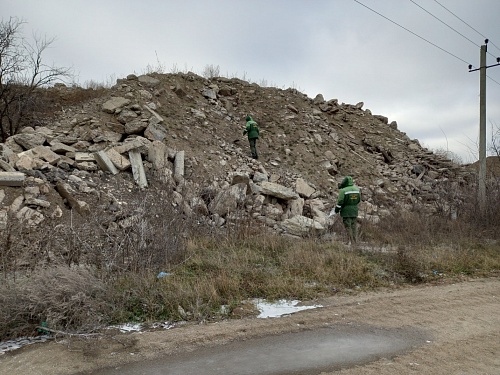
466, 24
411, 32
444, 23
418, 36
498, 83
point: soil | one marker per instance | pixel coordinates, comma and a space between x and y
460, 320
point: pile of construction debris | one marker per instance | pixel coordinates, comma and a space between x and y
186, 132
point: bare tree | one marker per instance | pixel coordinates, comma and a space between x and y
22, 73
495, 140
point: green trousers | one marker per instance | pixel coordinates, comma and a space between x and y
253, 147
351, 226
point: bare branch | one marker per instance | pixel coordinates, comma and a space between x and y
22, 72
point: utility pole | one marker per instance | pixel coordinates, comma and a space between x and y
482, 124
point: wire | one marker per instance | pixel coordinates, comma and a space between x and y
418, 36
411, 32
498, 83
467, 24
444, 23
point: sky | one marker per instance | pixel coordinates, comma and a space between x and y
405, 59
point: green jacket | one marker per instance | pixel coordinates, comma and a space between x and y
251, 129
349, 197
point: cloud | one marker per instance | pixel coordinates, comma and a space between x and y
414, 72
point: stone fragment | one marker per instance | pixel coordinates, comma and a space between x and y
157, 117
45, 153
126, 116
64, 191
30, 216
114, 104
6, 166
227, 200
29, 141
303, 188
149, 81
61, 148
301, 225
135, 127
121, 162
37, 202
155, 131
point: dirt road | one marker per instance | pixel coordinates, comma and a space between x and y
461, 322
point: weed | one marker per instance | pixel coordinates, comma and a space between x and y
103, 269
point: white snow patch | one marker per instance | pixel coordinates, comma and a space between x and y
280, 308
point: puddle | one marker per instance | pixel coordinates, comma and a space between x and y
306, 353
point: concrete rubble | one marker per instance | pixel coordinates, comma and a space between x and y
148, 127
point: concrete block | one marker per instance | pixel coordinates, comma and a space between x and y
179, 166
83, 156
105, 162
138, 168
11, 178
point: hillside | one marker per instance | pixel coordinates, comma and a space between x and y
184, 132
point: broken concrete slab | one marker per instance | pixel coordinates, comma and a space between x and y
303, 188
121, 162
115, 104
61, 148
154, 113
45, 153
277, 190
105, 162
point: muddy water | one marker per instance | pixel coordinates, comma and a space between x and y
305, 353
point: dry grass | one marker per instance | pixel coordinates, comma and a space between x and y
63, 297
103, 270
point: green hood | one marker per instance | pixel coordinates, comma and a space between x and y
347, 181
249, 118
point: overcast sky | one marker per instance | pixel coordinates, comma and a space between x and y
405, 59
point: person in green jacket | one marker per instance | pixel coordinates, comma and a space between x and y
252, 130
347, 205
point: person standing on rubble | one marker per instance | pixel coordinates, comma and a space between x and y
252, 130
347, 204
